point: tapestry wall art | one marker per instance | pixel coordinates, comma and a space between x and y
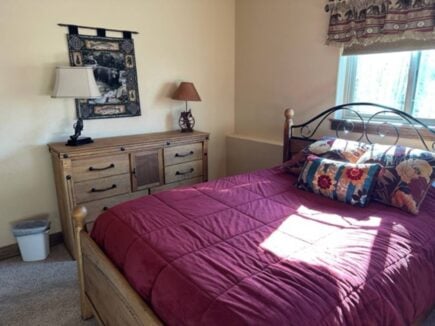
114, 65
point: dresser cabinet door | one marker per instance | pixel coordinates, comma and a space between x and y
146, 169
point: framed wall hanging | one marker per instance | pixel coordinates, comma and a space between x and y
114, 65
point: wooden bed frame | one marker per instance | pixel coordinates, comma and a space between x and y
104, 292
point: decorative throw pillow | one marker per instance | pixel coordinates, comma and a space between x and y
406, 176
346, 182
328, 147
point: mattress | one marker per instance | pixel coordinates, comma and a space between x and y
252, 249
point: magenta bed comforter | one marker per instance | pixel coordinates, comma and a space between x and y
253, 250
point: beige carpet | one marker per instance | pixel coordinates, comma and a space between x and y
46, 293
40, 293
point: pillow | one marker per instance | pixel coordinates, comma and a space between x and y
406, 176
328, 147
346, 182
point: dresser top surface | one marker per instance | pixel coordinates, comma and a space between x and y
174, 136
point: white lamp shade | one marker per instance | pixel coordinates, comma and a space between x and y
75, 82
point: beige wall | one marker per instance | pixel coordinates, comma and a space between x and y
281, 61
178, 40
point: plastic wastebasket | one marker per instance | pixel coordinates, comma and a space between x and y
32, 238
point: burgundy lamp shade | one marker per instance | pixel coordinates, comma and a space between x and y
186, 92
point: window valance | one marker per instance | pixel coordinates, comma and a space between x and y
365, 22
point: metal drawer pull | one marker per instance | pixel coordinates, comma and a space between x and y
184, 155
186, 172
102, 190
111, 166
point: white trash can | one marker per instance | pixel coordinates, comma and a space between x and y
32, 238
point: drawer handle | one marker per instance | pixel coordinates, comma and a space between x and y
111, 166
105, 189
186, 172
184, 155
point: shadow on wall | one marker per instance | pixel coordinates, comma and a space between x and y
245, 155
163, 99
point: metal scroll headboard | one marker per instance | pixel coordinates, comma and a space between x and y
384, 122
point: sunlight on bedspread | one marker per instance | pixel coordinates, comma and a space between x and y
360, 253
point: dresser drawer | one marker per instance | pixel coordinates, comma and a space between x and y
100, 167
184, 153
95, 208
183, 171
90, 190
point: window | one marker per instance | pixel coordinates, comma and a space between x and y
401, 80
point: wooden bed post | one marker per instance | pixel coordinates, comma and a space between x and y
289, 114
79, 214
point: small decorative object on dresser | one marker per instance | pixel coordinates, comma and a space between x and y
117, 169
78, 83
186, 92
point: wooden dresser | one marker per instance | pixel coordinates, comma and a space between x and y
116, 169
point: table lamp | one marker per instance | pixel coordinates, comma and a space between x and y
186, 92
78, 83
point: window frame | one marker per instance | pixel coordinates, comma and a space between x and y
345, 88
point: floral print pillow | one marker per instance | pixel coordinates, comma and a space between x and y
406, 176
328, 147
346, 182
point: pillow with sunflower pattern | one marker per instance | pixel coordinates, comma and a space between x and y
328, 147
346, 182
406, 176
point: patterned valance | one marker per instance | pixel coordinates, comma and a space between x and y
364, 22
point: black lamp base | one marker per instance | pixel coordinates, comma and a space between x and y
79, 141
75, 139
186, 121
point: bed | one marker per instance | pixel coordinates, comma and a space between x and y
252, 249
